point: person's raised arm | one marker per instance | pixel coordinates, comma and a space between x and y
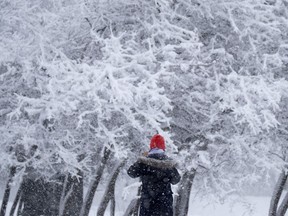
134, 170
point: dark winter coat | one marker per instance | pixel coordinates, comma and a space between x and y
157, 172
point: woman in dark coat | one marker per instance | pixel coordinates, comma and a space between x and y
157, 172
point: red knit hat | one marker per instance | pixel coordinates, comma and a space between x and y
157, 141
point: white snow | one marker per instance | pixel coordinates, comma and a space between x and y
255, 206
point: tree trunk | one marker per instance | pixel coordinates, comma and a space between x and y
16, 200
72, 195
113, 205
92, 189
136, 209
20, 207
53, 191
182, 200
64, 196
110, 191
277, 193
283, 207
7, 191
133, 207
34, 197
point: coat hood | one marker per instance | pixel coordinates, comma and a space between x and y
162, 164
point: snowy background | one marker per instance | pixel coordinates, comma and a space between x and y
84, 84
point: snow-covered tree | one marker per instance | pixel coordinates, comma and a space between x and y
226, 103
79, 89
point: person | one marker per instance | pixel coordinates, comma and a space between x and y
157, 172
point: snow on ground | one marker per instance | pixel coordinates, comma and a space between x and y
254, 206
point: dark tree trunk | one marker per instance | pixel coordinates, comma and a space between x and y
7, 191
137, 206
73, 195
110, 191
53, 190
41, 197
283, 207
92, 189
113, 205
182, 200
33, 197
16, 201
277, 193
66, 192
